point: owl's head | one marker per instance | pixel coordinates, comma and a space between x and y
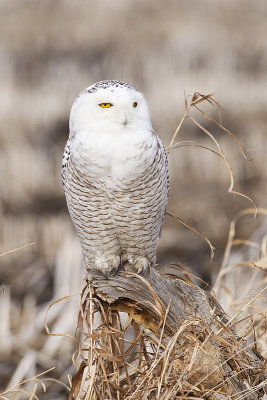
112, 105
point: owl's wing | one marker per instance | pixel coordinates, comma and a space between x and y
164, 175
65, 160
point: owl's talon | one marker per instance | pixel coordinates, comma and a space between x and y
116, 262
104, 269
124, 257
140, 265
113, 266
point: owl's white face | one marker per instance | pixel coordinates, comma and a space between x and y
110, 106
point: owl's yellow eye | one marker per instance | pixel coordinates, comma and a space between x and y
105, 105
134, 104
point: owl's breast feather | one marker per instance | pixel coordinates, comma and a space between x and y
122, 156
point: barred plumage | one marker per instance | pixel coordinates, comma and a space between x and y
115, 178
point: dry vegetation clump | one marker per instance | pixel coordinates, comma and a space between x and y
174, 342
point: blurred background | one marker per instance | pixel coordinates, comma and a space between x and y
50, 50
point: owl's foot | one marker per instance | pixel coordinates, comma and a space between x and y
112, 267
136, 265
104, 269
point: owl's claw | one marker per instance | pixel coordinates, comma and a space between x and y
115, 264
137, 266
104, 269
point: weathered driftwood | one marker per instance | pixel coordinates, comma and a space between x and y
176, 315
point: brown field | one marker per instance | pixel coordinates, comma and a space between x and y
51, 50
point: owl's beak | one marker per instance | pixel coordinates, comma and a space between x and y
123, 117
125, 120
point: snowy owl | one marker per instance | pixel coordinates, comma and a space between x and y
115, 178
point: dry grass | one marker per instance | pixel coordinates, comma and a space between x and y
155, 363
129, 355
